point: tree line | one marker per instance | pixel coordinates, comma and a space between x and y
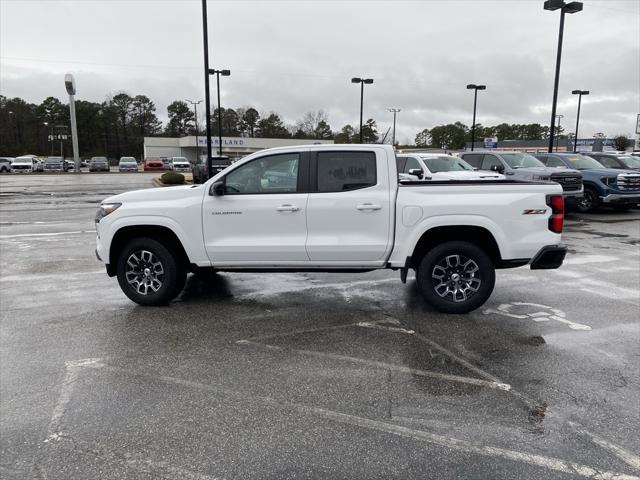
117, 127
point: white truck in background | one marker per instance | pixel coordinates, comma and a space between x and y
331, 208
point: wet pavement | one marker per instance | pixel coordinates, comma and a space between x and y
277, 376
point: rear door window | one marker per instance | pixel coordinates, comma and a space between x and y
473, 159
490, 161
343, 171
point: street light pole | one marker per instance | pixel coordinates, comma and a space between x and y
393, 135
559, 117
207, 97
475, 88
195, 112
361, 81
579, 93
217, 73
572, 7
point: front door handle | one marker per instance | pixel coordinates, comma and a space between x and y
368, 206
287, 207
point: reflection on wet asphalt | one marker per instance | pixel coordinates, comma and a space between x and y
309, 375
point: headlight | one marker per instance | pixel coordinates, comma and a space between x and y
608, 180
105, 209
546, 178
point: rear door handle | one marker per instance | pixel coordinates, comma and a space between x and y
368, 206
287, 207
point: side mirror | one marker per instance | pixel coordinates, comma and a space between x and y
417, 172
497, 168
217, 189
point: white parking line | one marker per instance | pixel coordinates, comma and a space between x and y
384, 366
51, 234
71, 376
624, 455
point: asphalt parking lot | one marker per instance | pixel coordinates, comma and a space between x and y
280, 376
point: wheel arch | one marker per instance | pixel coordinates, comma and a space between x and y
476, 235
157, 232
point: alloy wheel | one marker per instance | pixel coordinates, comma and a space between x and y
144, 272
456, 278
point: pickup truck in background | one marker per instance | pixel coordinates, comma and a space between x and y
609, 187
523, 166
439, 166
331, 208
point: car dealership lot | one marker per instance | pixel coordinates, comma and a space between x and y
309, 375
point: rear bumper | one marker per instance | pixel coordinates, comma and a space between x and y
549, 257
621, 199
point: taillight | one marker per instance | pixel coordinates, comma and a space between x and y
556, 220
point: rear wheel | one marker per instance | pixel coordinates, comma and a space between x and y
456, 277
589, 201
148, 273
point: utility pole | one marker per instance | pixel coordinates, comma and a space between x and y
70, 85
393, 134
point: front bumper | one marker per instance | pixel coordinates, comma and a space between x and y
621, 199
549, 257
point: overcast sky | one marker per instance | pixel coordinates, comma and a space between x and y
296, 56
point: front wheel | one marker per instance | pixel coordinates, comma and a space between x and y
456, 277
148, 273
589, 201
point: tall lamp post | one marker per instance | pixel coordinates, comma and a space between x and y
361, 81
559, 117
579, 93
571, 7
195, 112
217, 73
475, 88
393, 135
207, 97
70, 85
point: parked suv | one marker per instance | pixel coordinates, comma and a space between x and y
522, 166
200, 174
617, 160
180, 164
24, 164
612, 187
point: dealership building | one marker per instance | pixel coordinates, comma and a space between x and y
233, 147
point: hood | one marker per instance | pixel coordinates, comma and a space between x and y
156, 194
22, 161
466, 175
608, 171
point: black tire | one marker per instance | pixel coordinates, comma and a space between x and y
142, 280
475, 280
589, 201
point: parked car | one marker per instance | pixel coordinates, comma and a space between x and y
85, 163
99, 164
610, 187
127, 164
200, 172
180, 164
24, 164
153, 165
616, 160
339, 209
5, 164
70, 165
166, 163
438, 166
522, 166
54, 164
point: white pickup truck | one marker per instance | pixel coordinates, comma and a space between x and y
331, 208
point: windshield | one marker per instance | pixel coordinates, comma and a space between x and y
520, 160
127, 160
446, 163
630, 161
53, 160
582, 162
99, 159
